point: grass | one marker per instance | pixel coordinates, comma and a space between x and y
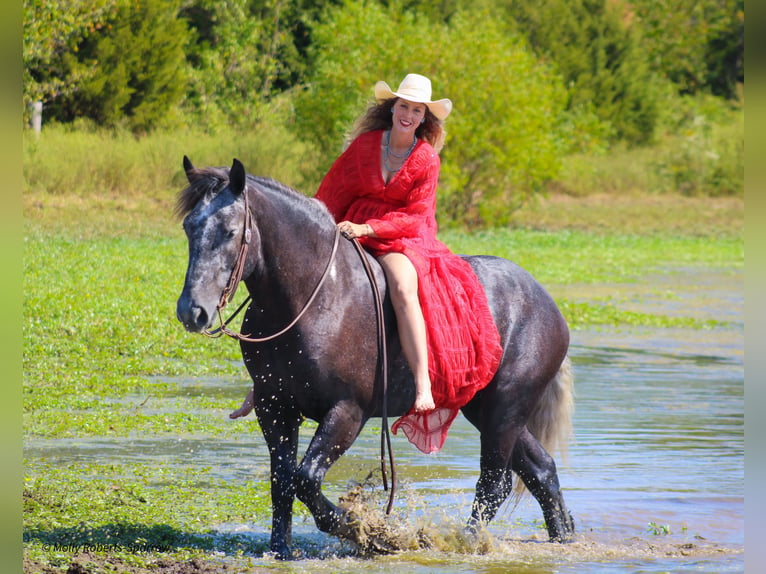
103, 266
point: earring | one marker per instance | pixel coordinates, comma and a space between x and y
423, 121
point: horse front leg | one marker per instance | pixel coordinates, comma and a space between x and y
335, 434
280, 426
537, 470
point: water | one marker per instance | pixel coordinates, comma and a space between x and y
654, 475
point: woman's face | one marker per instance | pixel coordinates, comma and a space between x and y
408, 115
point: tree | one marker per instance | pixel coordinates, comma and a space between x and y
52, 30
139, 58
696, 44
595, 45
506, 135
246, 52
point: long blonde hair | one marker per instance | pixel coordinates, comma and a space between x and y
378, 117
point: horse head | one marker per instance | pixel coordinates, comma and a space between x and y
215, 217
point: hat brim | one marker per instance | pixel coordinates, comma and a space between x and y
440, 108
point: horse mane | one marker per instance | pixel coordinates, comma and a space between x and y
207, 181
210, 181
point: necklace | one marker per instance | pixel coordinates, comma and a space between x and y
402, 157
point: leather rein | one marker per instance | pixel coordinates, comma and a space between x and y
223, 329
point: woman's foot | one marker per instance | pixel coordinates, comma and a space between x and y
424, 401
245, 409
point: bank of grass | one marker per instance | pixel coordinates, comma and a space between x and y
104, 264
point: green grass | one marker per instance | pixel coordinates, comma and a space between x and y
133, 513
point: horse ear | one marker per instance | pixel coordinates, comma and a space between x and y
237, 177
188, 167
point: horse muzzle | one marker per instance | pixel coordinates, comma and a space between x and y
192, 316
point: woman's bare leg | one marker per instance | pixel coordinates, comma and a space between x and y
403, 286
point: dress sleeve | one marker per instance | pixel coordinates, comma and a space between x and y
334, 190
419, 209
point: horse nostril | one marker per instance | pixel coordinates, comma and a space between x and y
200, 318
193, 317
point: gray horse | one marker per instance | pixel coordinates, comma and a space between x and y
325, 365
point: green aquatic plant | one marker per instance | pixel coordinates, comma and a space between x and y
658, 529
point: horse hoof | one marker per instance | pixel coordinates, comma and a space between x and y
282, 553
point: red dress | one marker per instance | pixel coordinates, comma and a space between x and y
463, 342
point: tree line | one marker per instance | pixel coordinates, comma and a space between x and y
532, 80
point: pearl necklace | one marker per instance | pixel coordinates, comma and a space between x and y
403, 157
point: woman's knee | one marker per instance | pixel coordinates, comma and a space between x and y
402, 279
404, 293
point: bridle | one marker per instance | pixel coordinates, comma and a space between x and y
236, 276
231, 288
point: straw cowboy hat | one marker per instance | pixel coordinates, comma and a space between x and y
415, 88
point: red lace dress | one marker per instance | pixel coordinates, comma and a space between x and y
463, 342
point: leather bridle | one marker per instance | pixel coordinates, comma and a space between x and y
236, 276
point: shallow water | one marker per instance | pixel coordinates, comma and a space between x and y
654, 476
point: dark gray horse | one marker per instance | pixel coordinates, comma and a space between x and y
324, 367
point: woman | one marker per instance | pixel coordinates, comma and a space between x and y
382, 191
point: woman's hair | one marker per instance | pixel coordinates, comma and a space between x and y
378, 117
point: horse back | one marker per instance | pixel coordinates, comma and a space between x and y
525, 313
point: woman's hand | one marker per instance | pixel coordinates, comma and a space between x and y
353, 230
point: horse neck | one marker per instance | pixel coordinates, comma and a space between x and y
295, 243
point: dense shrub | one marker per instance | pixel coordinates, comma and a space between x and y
700, 152
704, 149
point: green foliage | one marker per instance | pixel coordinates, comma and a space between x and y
596, 47
53, 30
507, 130
278, 84
696, 44
245, 52
139, 53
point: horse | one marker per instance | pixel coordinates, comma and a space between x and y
312, 349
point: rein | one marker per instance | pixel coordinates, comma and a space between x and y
236, 277
231, 288
385, 437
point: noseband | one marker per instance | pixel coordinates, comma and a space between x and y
236, 276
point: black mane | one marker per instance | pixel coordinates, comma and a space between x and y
204, 181
210, 181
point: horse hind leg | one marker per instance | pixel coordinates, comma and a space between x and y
494, 484
537, 469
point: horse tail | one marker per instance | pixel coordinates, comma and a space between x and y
551, 420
